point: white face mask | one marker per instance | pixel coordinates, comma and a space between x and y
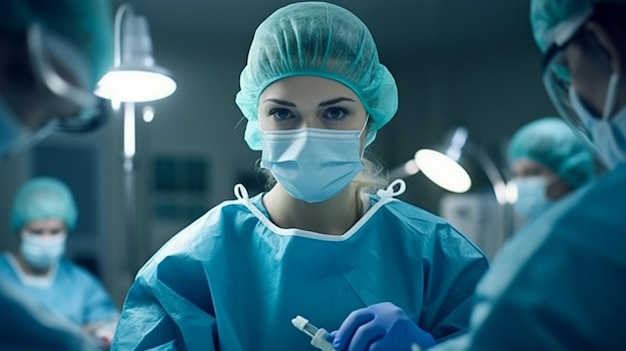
607, 134
532, 196
312, 164
41, 251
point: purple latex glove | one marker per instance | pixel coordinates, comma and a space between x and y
380, 327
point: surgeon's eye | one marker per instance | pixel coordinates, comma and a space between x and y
281, 114
336, 113
56, 231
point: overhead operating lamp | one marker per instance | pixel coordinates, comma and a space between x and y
444, 165
135, 76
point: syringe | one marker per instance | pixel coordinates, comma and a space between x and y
320, 337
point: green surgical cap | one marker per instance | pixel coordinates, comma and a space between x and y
85, 23
316, 39
43, 198
553, 144
548, 15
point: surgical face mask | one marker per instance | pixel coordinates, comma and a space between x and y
531, 196
607, 134
42, 251
312, 164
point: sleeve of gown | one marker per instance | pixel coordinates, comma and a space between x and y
99, 307
453, 268
168, 308
566, 296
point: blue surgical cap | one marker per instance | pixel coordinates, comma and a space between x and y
316, 39
43, 198
85, 23
553, 144
553, 18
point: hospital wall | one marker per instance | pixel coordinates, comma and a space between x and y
491, 90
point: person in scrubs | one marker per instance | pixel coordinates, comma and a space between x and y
559, 284
52, 53
328, 241
44, 212
548, 161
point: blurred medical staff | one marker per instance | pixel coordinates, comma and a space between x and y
52, 53
559, 284
44, 212
547, 161
325, 242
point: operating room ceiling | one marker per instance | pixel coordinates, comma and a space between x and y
401, 27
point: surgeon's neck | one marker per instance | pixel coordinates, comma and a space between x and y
28, 270
334, 216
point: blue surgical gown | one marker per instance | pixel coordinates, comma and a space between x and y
560, 284
233, 281
73, 293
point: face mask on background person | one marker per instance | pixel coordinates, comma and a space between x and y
41, 251
532, 196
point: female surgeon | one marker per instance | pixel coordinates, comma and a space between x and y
321, 243
548, 162
43, 213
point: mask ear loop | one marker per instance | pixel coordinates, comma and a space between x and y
610, 100
367, 118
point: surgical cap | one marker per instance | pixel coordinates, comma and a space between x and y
316, 39
85, 23
553, 144
547, 15
43, 198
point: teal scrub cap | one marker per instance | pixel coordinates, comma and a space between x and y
43, 198
86, 23
555, 20
553, 144
316, 39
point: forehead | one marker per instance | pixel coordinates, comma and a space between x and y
305, 89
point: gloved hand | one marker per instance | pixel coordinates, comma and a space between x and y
380, 327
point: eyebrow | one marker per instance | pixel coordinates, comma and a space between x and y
281, 102
322, 104
334, 101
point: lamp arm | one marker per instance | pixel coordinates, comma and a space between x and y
117, 50
491, 170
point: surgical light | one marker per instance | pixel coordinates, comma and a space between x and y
442, 170
444, 165
135, 76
